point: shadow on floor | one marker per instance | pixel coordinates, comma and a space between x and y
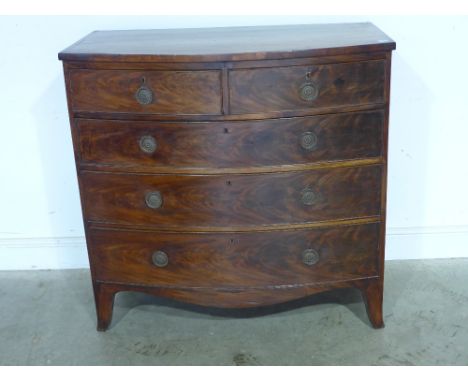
350, 297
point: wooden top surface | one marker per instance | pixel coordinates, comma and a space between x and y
228, 44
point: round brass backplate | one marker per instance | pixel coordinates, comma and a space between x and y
308, 197
153, 199
310, 257
144, 95
160, 259
148, 144
309, 140
308, 91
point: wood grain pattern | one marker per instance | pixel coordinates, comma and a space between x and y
232, 200
238, 229
277, 89
220, 65
228, 44
225, 297
104, 298
230, 144
236, 260
93, 166
372, 293
227, 117
175, 92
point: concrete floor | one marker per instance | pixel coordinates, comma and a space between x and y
48, 318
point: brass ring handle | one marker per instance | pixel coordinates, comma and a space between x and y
308, 91
144, 95
160, 259
148, 144
154, 199
310, 257
308, 196
309, 141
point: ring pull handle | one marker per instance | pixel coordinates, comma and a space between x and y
309, 196
154, 199
144, 95
160, 259
309, 141
310, 257
148, 144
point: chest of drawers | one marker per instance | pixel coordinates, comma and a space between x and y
232, 167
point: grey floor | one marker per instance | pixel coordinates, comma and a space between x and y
48, 318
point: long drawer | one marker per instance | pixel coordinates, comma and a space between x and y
149, 92
243, 260
232, 200
198, 145
304, 87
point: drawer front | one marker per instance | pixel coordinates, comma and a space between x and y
305, 87
231, 144
229, 260
154, 92
232, 200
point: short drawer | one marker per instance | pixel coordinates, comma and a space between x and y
153, 92
267, 259
231, 200
195, 145
305, 87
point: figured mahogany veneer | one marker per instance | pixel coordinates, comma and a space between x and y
276, 89
176, 92
205, 201
229, 260
114, 145
232, 167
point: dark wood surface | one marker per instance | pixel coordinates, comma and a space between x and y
228, 44
230, 260
236, 144
277, 89
228, 120
195, 201
240, 297
175, 92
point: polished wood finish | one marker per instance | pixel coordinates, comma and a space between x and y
236, 144
104, 298
277, 89
196, 92
234, 200
262, 197
227, 260
226, 117
372, 292
227, 298
241, 229
228, 44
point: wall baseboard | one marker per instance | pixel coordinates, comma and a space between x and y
434, 242
43, 253
402, 243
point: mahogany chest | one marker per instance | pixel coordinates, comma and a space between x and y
232, 167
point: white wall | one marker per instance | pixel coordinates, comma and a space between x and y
40, 223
